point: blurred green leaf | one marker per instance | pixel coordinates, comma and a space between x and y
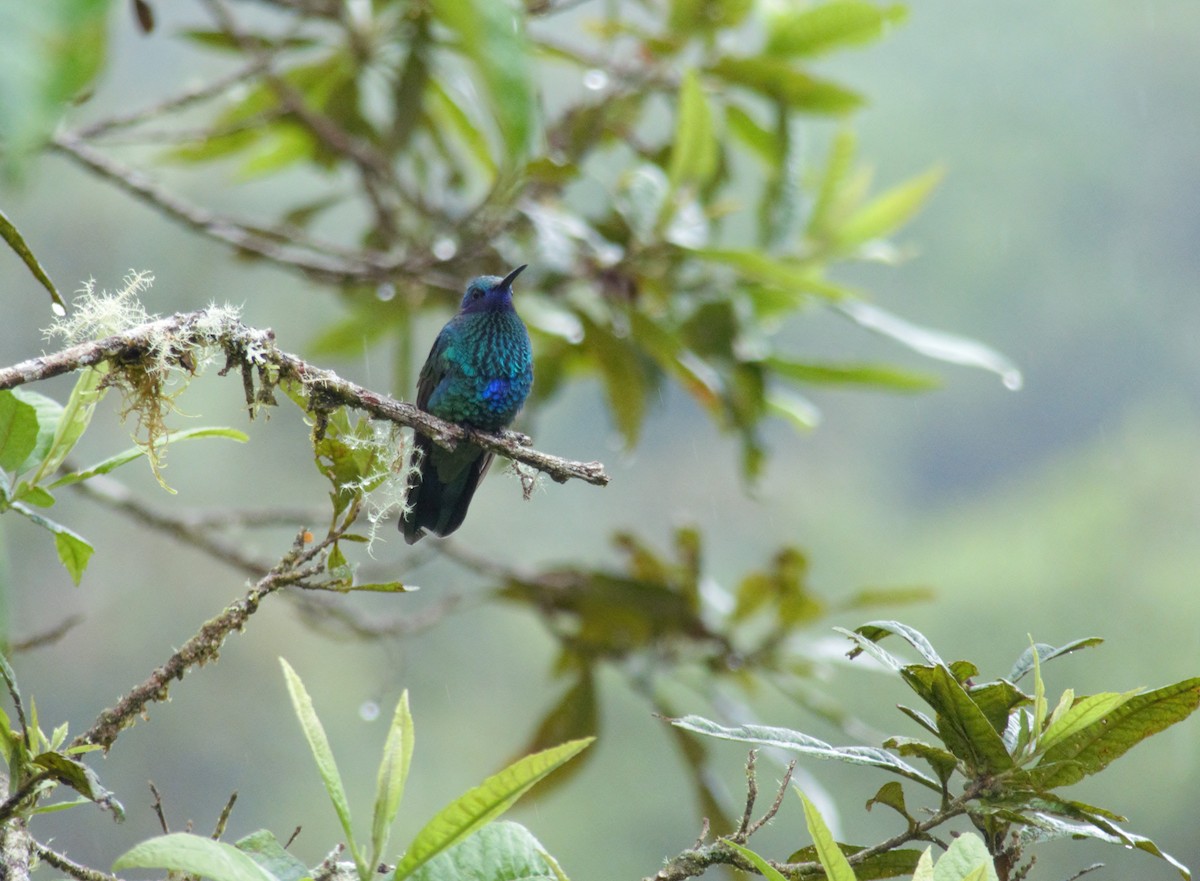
49, 52
16, 241
264, 848
932, 343
500, 851
701, 16
126, 456
193, 854
493, 39
828, 26
318, 744
1091, 748
762, 141
783, 81
830, 192
18, 430
479, 806
393, 773
888, 211
877, 375
694, 147
625, 381
833, 861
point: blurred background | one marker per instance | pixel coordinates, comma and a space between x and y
1066, 234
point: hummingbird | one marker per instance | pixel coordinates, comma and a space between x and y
478, 375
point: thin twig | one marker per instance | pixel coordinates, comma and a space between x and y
157, 807
72, 868
305, 255
223, 820
46, 637
204, 645
742, 832
178, 101
775, 805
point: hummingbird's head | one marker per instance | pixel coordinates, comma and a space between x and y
490, 293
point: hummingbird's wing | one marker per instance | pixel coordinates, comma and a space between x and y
434, 370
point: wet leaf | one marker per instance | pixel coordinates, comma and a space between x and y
264, 848
500, 851
194, 854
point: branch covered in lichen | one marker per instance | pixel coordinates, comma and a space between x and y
149, 350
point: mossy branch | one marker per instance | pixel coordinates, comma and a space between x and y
151, 348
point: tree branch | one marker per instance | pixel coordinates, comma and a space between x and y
254, 350
299, 564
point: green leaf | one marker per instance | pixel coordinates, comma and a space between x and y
264, 848
74, 551
932, 343
1092, 747
492, 36
74, 420
318, 743
126, 456
888, 211
479, 806
501, 851
382, 586
49, 414
966, 856
194, 854
830, 192
393, 772
763, 141
962, 725
892, 795
924, 869
625, 380
34, 495
18, 430
795, 741
819, 29
778, 79
768, 871
1082, 713
1047, 827
694, 149
49, 52
16, 241
79, 777
1044, 653
877, 630
833, 861
878, 375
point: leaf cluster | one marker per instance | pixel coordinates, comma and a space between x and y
462, 842
991, 752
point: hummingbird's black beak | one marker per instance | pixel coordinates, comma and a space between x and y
508, 279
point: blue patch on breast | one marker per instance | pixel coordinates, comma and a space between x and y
497, 390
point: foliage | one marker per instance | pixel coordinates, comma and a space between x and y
1013, 752
462, 840
676, 228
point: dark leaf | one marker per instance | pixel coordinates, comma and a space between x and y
890, 864
144, 13
81, 778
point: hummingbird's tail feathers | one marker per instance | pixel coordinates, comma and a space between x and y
435, 505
